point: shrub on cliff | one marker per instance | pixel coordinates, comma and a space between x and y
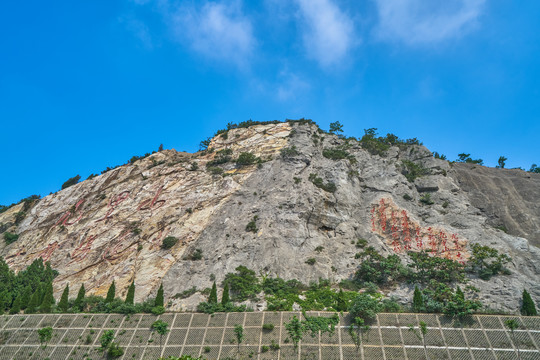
71, 181
169, 242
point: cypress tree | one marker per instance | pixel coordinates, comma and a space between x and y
212, 299
159, 296
16, 307
418, 301
48, 300
63, 304
130, 297
33, 303
111, 293
25, 299
225, 297
41, 292
528, 308
80, 297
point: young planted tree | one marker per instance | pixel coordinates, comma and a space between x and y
356, 330
78, 304
295, 328
501, 162
162, 328
512, 325
130, 297
225, 297
528, 308
336, 127
111, 293
239, 333
45, 335
422, 336
63, 304
159, 297
212, 298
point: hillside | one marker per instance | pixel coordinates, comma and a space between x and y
295, 208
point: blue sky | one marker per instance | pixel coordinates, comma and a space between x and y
88, 84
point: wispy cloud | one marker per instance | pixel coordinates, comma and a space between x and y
215, 30
417, 22
328, 32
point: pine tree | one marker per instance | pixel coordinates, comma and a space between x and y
111, 293
528, 308
418, 301
16, 307
25, 299
48, 300
225, 297
212, 299
130, 297
159, 296
33, 303
63, 304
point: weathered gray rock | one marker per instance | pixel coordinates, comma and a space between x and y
111, 227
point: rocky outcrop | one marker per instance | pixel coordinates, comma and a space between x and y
509, 198
112, 226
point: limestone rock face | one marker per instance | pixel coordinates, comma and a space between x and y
113, 226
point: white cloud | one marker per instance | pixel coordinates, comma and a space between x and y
216, 30
329, 33
423, 22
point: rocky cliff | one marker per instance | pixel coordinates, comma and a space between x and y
307, 190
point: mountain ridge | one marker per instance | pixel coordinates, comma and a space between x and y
302, 189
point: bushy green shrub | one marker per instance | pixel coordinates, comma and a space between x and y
252, 225
169, 242
412, 170
427, 267
268, 327
71, 181
318, 182
364, 306
466, 158
10, 238
426, 199
243, 284
379, 269
311, 261
196, 255
289, 152
215, 170
246, 158
336, 154
487, 262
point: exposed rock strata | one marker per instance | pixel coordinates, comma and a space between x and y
112, 226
